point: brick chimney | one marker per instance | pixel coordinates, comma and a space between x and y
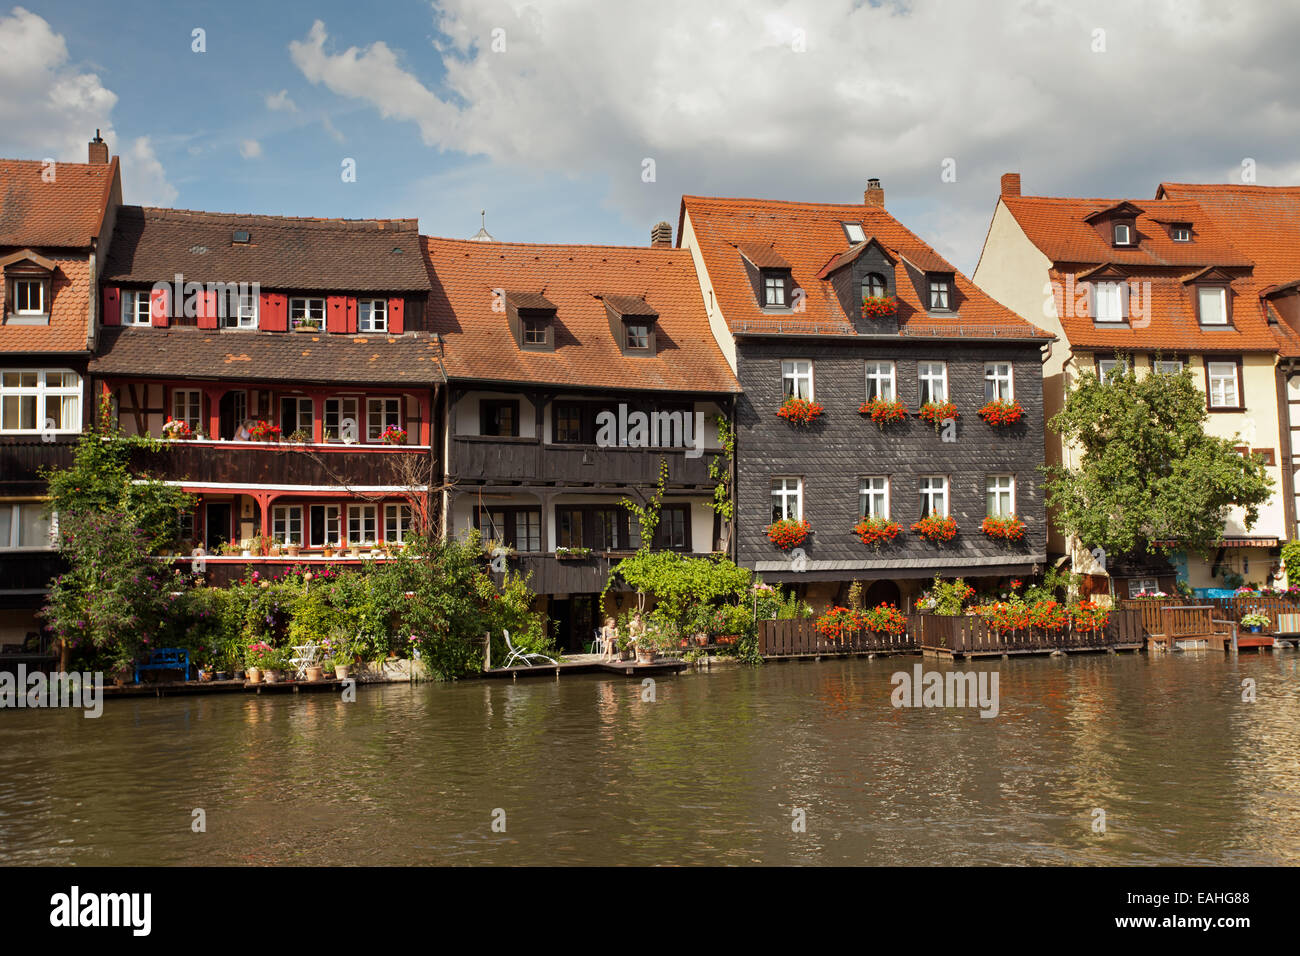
661, 234
98, 151
874, 195
1011, 184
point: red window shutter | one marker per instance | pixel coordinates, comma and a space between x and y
159, 313
336, 313
112, 314
352, 314
396, 315
207, 310
274, 312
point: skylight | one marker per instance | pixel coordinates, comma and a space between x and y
854, 232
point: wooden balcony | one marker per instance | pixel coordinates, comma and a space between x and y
527, 459
278, 463
22, 458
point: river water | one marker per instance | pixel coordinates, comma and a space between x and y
585, 770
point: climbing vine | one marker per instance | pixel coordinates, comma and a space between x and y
720, 470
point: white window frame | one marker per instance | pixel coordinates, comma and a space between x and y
398, 519
854, 232
363, 518
873, 497
1107, 367
1219, 293
286, 524
303, 405
926, 379
333, 526
934, 488
940, 297
245, 314
68, 396
1128, 234
774, 282
308, 307
10, 541
998, 488
376, 428
132, 301
785, 490
341, 413
372, 315
881, 376
43, 306
1214, 374
1138, 586
792, 374
1108, 302
1160, 366
185, 400
1181, 233
995, 378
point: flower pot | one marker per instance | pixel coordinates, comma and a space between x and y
327, 552
341, 671
240, 674
1253, 628
355, 551
645, 655
293, 550
223, 675
272, 676
255, 675
315, 673
205, 676
246, 553
626, 654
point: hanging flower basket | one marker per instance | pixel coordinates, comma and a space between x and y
877, 531
936, 413
935, 529
1009, 528
1001, 412
878, 306
786, 534
800, 411
883, 412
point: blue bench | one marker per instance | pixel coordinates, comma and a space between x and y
166, 659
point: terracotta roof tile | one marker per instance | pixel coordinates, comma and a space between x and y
67, 212
69, 312
809, 236
480, 345
357, 255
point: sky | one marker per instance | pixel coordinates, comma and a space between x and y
585, 122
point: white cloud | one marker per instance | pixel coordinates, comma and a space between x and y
280, 102
49, 108
721, 100
331, 129
250, 148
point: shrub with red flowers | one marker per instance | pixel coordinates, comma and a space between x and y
788, 533
1088, 616
936, 413
935, 529
1000, 411
877, 531
1048, 615
883, 412
879, 306
835, 622
800, 411
1004, 615
1008, 528
884, 618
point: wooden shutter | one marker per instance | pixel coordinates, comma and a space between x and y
159, 311
274, 312
336, 313
207, 310
396, 315
352, 315
112, 314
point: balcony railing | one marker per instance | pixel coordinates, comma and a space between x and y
527, 459
278, 463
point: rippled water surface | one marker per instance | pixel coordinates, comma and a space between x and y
588, 772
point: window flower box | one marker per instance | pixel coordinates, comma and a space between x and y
392, 435
936, 413
307, 325
1008, 528
176, 429
572, 554
1001, 412
800, 411
883, 412
935, 529
879, 306
877, 531
788, 533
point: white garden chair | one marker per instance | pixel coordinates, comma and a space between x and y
305, 656
523, 656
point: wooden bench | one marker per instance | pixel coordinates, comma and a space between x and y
166, 659
1188, 626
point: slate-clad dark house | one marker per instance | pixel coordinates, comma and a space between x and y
56, 223
233, 324
783, 285
540, 341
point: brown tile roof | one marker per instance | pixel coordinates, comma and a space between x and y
1059, 228
480, 345
809, 236
344, 255
69, 312
403, 360
65, 213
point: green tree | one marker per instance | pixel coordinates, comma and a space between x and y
1148, 473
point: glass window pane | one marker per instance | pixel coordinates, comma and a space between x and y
33, 527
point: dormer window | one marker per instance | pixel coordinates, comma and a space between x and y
135, 308
27, 287
940, 294
874, 286
774, 283
1122, 233
532, 320
1180, 232
537, 330
638, 336
854, 232
632, 323
1212, 305
29, 297
1108, 302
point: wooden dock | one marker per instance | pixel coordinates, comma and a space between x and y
189, 688
590, 664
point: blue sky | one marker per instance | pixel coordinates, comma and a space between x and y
546, 112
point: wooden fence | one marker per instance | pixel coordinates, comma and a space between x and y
1225, 609
959, 636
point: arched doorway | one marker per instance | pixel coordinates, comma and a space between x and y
882, 592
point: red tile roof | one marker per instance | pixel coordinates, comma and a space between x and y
478, 343
66, 213
69, 312
810, 236
1059, 227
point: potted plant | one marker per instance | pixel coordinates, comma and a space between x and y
206, 672
574, 554
257, 659
327, 550
354, 548
315, 672
935, 529
292, 548
300, 436
1254, 622
264, 431
878, 306
246, 547
342, 660
1001, 411
883, 412
1003, 527
787, 533
936, 413
876, 531
392, 435
800, 411
369, 545
176, 429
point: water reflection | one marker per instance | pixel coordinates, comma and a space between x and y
588, 771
